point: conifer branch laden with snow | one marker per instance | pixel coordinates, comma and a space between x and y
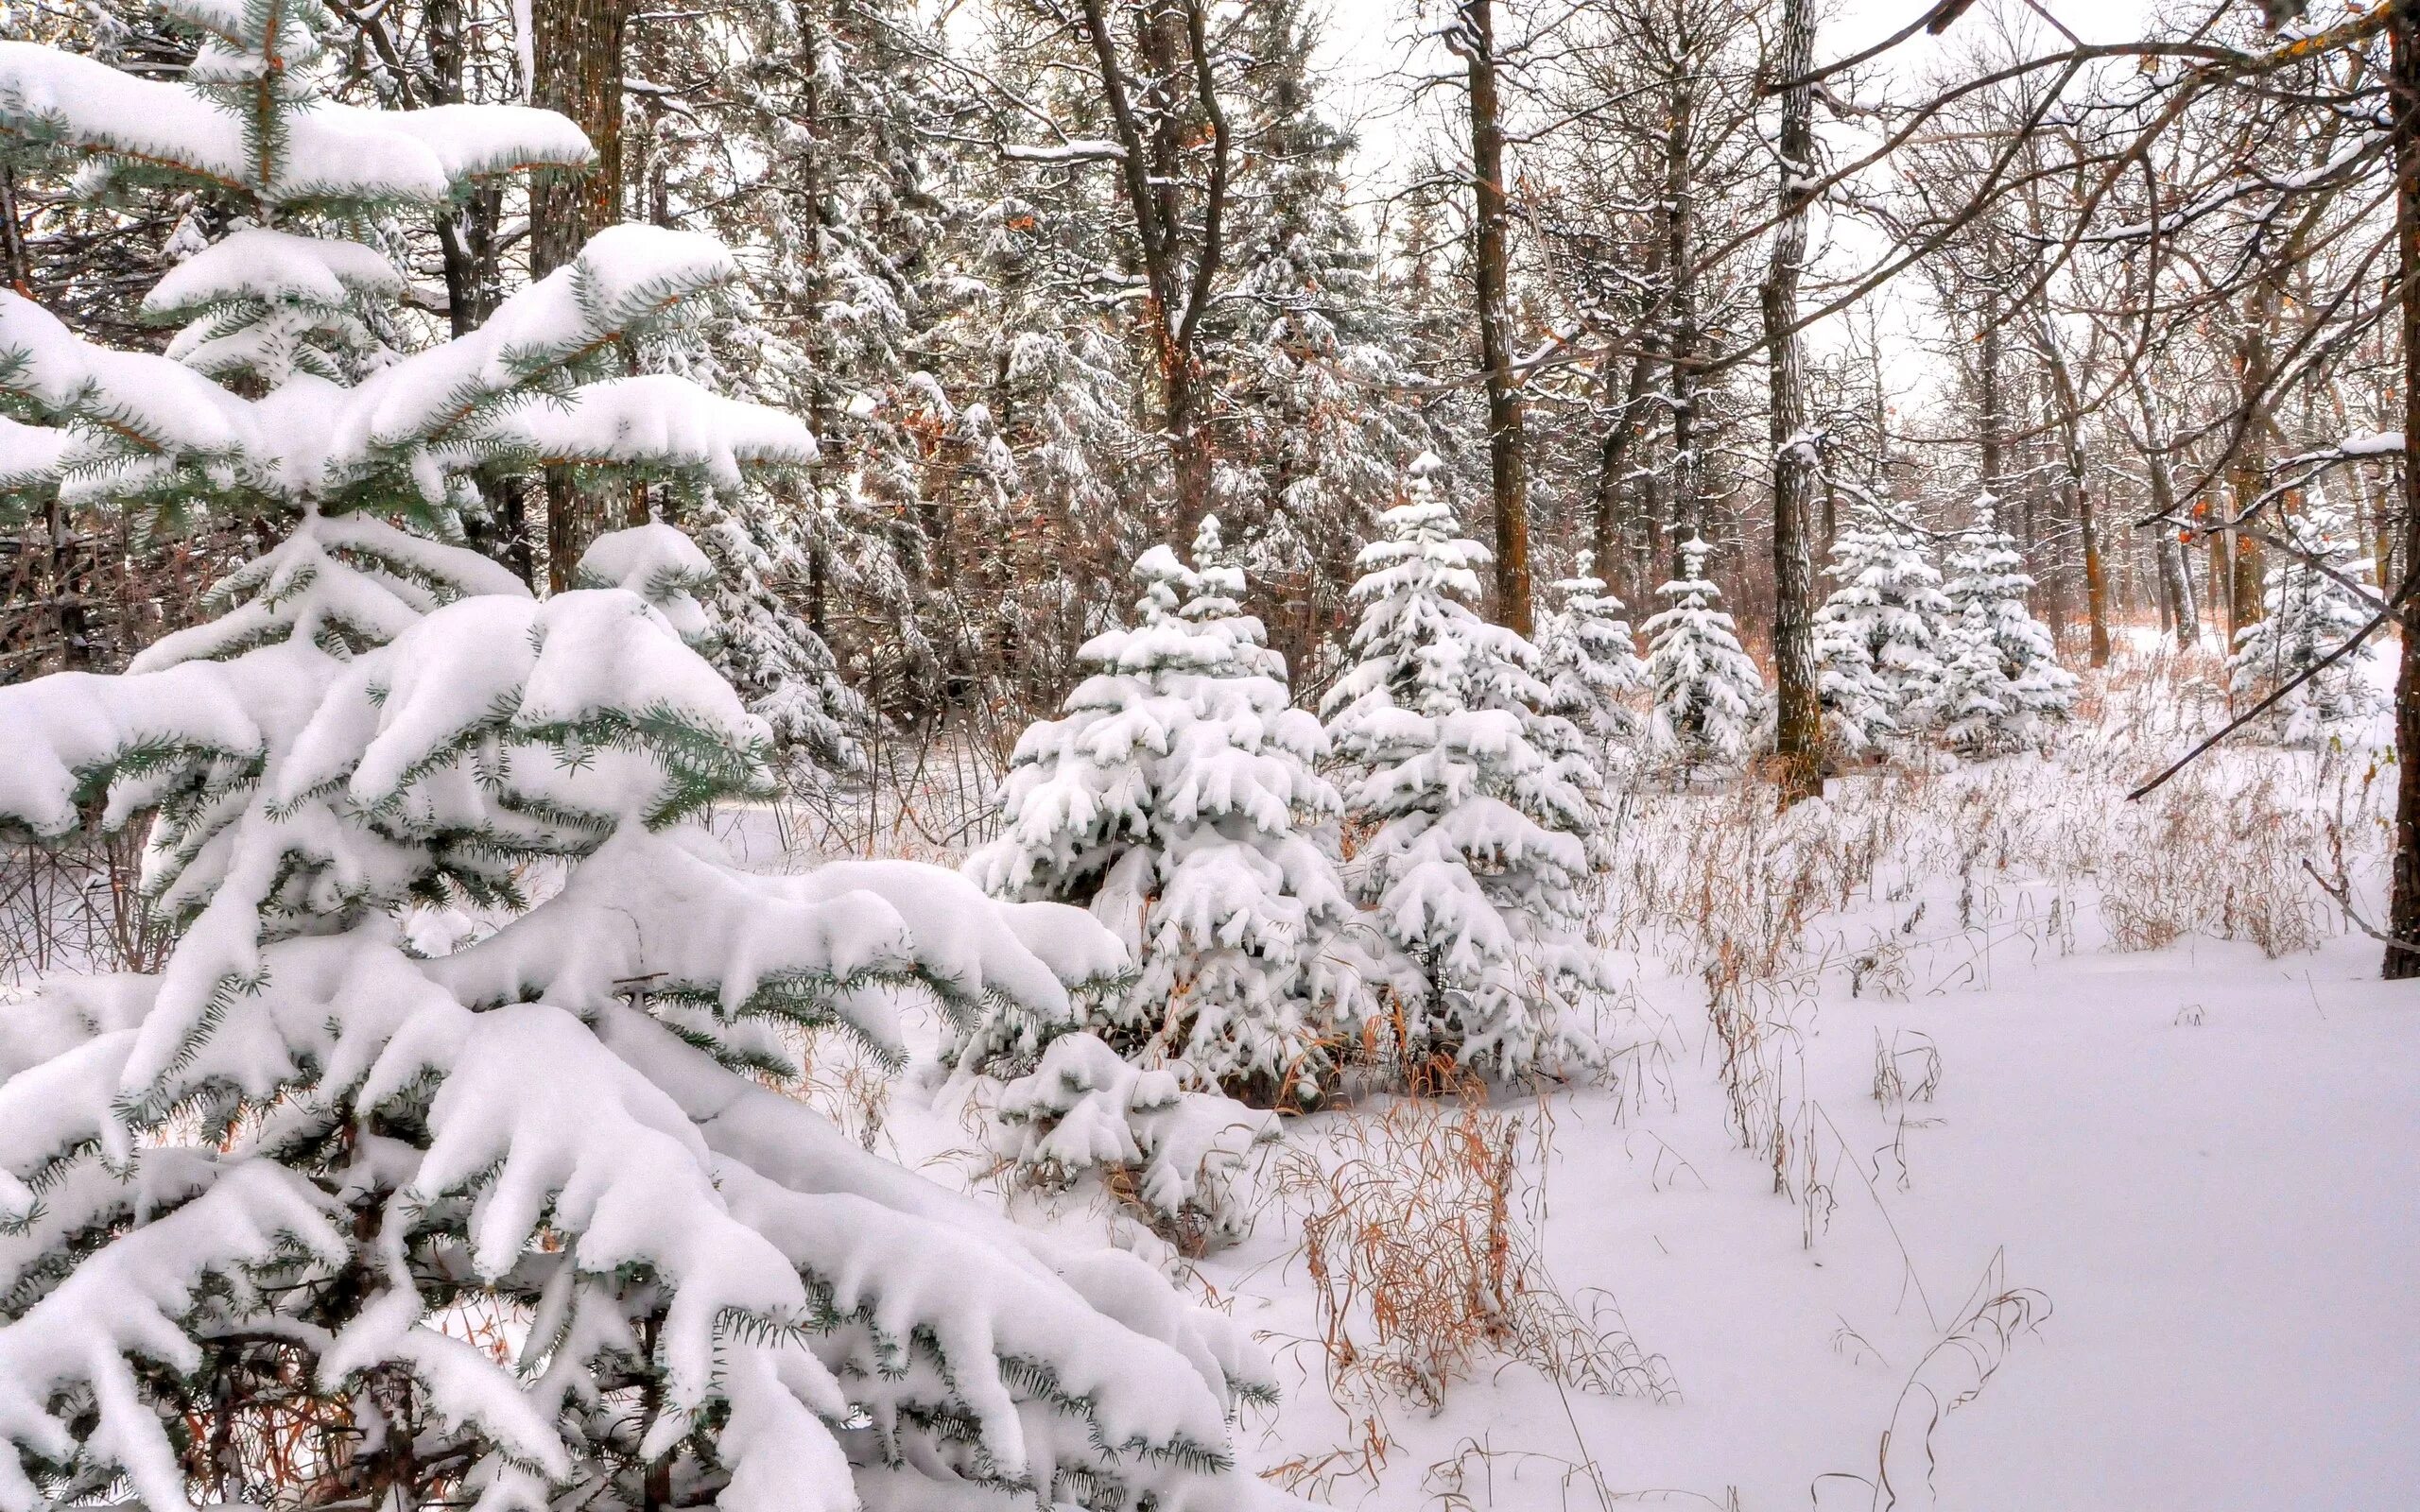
1473, 864
1176, 801
1086, 1117
256, 1191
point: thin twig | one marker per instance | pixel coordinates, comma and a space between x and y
2342, 892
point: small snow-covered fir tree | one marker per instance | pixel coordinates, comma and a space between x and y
1086, 1116
1855, 698
2002, 683
1877, 637
2306, 614
1707, 692
1175, 798
247, 1202
1591, 664
1474, 861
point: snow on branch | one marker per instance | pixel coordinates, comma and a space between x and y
2300, 469
626, 279
663, 420
72, 735
139, 398
1081, 149
329, 154
256, 264
29, 455
134, 1300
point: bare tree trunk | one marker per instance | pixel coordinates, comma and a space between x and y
1799, 729
1991, 421
1613, 469
2403, 912
68, 580
1679, 341
2248, 476
576, 49
2078, 485
1491, 273
1151, 143
2189, 605
2176, 577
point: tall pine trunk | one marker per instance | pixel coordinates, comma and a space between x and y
1491, 273
1799, 728
575, 55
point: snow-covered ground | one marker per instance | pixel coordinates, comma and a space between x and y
2199, 1158
2156, 1206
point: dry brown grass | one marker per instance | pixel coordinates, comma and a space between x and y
1422, 1242
2222, 859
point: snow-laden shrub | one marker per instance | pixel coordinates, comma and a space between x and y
2001, 685
2312, 602
1087, 1117
1878, 636
1588, 660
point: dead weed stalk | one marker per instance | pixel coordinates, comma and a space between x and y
1422, 1241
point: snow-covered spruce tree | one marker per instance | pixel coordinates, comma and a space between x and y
1175, 799
1088, 1117
1877, 637
1707, 692
2307, 615
2002, 683
248, 1205
1591, 664
1473, 860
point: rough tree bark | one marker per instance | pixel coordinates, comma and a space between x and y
1491, 274
2176, 582
1991, 420
1799, 728
576, 49
1613, 478
1679, 341
2248, 474
2403, 911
